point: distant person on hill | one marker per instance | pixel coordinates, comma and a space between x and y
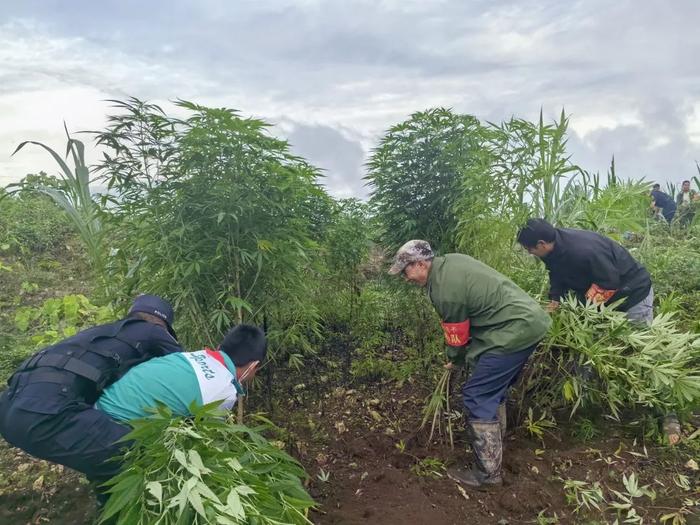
47, 409
590, 265
663, 202
178, 380
488, 323
686, 202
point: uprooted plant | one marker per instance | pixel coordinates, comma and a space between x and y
594, 356
205, 469
437, 409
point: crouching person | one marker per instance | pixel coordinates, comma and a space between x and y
492, 324
47, 408
178, 380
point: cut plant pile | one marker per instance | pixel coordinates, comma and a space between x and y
204, 469
593, 357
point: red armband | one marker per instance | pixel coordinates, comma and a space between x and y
598, 295
456, 334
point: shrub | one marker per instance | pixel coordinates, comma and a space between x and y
31, 224
56, 319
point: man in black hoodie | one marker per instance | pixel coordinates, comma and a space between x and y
592, 266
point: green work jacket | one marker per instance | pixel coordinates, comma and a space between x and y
499, 316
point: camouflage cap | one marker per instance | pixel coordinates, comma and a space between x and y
413, 251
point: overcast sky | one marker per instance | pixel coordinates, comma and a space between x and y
332, 76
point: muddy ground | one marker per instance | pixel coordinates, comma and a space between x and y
382, 470
370, 462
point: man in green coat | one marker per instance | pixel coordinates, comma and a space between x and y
489, 323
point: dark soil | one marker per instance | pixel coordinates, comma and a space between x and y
379, 468
373, 449
34, 491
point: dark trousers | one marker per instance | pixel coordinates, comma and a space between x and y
78, 436
489, 382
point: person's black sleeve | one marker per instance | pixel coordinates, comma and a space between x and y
162, 343
556, 286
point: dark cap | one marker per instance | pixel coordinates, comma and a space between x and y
154, 305
412, 251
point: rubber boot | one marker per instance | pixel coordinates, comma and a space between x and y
487, 445
503, 419
503, 422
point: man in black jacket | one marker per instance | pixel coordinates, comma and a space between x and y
592, 266
598, 269
664, 202
47, 409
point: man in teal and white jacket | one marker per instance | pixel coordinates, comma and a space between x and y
177, 380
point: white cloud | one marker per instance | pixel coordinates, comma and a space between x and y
584, 124
343, 72
693, 124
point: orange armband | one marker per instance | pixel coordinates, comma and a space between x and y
599, 295
456, 334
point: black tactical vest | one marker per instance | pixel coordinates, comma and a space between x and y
89, 361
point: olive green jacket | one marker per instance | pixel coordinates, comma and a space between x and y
502, 317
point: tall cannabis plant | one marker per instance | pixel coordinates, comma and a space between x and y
212, 212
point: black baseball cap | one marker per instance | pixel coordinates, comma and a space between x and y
154, 305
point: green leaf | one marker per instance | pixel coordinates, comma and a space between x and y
179, 455
234, 506
226, 521
196, 501
122, 495
244, 490
196, 461
156, 489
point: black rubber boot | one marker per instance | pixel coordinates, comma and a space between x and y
487, 445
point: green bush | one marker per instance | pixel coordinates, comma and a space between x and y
674, 263
31, 224
212, 213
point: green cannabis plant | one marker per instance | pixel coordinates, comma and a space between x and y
594, 356
204, 469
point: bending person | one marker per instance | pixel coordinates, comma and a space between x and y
592, 266
178, 380
493, 325
596, 269
47, 409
